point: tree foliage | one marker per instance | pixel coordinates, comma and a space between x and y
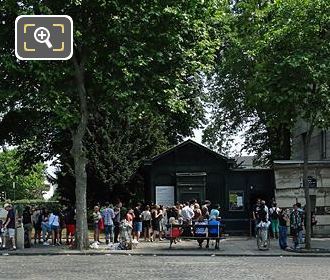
28, 184
272, 69
141, 58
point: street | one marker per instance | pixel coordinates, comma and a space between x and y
153, 267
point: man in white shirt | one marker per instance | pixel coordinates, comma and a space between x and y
187, 213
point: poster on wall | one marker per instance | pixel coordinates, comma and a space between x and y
165, 195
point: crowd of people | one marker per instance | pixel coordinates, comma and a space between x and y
152, 222
46, 225
280, 220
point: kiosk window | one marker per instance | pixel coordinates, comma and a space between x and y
236, 201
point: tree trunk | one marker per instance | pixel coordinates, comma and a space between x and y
80, 160
285, 142
306, 143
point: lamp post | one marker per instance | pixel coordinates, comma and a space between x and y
14, 187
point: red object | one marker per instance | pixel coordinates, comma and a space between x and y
71, 229
175, 232
101, 224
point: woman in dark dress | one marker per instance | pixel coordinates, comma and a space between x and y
155, 222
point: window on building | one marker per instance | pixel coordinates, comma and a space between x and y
236, 201
323, 144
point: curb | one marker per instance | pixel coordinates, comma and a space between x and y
165, 254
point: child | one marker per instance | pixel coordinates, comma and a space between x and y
175, 231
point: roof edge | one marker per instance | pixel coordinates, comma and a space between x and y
186, 142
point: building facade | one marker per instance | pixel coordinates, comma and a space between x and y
192, 171
289, 176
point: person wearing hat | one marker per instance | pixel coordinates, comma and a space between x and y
9, 225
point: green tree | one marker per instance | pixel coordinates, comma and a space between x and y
148, 55
28, 184
283, 49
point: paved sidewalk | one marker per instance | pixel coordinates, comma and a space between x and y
232, 246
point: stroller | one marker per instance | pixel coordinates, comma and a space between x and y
125, 233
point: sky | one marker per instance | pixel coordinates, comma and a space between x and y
238, 140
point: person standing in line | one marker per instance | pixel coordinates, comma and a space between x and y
44, 220
162, 222
108, 215
274, 217
156, 215
130, 217
36, 224
146, 223
197, 212
54, 225
27, 224
255, 210
96, 220
187, 216
116, 223
70, 223
137, 222
284, 221
302, 213
10, 226
296, 226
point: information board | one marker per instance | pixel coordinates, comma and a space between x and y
165, 195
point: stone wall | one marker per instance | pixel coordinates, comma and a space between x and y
288, 190
316, 151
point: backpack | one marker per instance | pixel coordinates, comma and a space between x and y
262, 213
275, 215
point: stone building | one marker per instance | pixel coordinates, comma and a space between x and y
289, 176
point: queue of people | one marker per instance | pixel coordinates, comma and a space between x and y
280, 221
150, 221
46, 225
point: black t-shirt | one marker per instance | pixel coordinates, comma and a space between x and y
137, 214
282, 222
11, 216
69, 217
26, 217
261, 213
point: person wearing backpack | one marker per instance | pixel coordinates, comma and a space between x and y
274, 214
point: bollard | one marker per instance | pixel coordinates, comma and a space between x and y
20, 237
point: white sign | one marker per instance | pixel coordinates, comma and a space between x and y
240, 201
165, 195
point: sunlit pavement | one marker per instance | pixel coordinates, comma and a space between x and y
232, 246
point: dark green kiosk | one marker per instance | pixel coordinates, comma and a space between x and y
192, 171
